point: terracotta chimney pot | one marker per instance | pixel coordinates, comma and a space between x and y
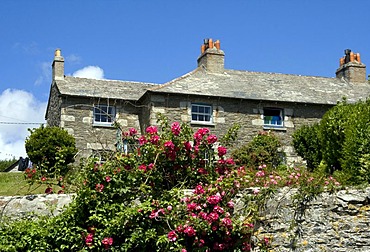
351, 57
203, 48
358, 58
217, 44
210, 43
341, 61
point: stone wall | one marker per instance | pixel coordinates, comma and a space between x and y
247, 113
77, 119
53, 110
33, 205
337, 221
331, 222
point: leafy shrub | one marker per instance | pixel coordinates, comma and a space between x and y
332, 134
6, 163
263, 149
142, 202
356, 145
51, 149
307, 144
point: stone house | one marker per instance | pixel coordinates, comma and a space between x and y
209, 96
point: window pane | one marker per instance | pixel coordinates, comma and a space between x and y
201, 113
104, 114
97, 118
273, 117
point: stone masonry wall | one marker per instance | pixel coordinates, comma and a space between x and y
77, 119
337, 221
248, 114
33, 205
331, 222
53, 110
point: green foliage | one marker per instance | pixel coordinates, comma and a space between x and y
355, 158
341, 140
21, 236
307, 144
6, 163
263, 149
142, 202
230, 136
332, 134
51, 149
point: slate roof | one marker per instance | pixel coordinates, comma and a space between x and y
266, 86
112, 89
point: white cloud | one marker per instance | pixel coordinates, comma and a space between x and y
17, 107
31, 48
92, 72
45, 73
73, 59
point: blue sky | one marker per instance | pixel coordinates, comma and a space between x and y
156, 41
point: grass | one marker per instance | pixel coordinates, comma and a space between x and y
13, 184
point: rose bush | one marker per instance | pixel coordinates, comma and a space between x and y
175, 192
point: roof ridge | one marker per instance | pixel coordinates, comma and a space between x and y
125, 81
275, 73
176, 79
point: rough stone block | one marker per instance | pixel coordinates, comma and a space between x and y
68, 118
87, 120
257, 122
122, 122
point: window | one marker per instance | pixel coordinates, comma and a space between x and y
104, 114
273, 117
201, 113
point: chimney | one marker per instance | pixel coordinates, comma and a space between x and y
350, 68
211, 57
58, 66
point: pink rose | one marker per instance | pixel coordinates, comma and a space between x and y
214, 199
199, 189
189, 230
211, 139
107, 242
221, 151
151, 130
175, 128
172, 236
132, 131
99, 187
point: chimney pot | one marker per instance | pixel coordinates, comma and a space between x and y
351, 57
351, 69
217, 44
341, 61
358, 58
57, 53
58, 66
202, 48
210, 43
211, 60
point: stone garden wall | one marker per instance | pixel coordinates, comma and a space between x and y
331, 222
33, 205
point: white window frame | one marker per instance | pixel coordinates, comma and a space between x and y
105, 113
203, 111
272, 122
